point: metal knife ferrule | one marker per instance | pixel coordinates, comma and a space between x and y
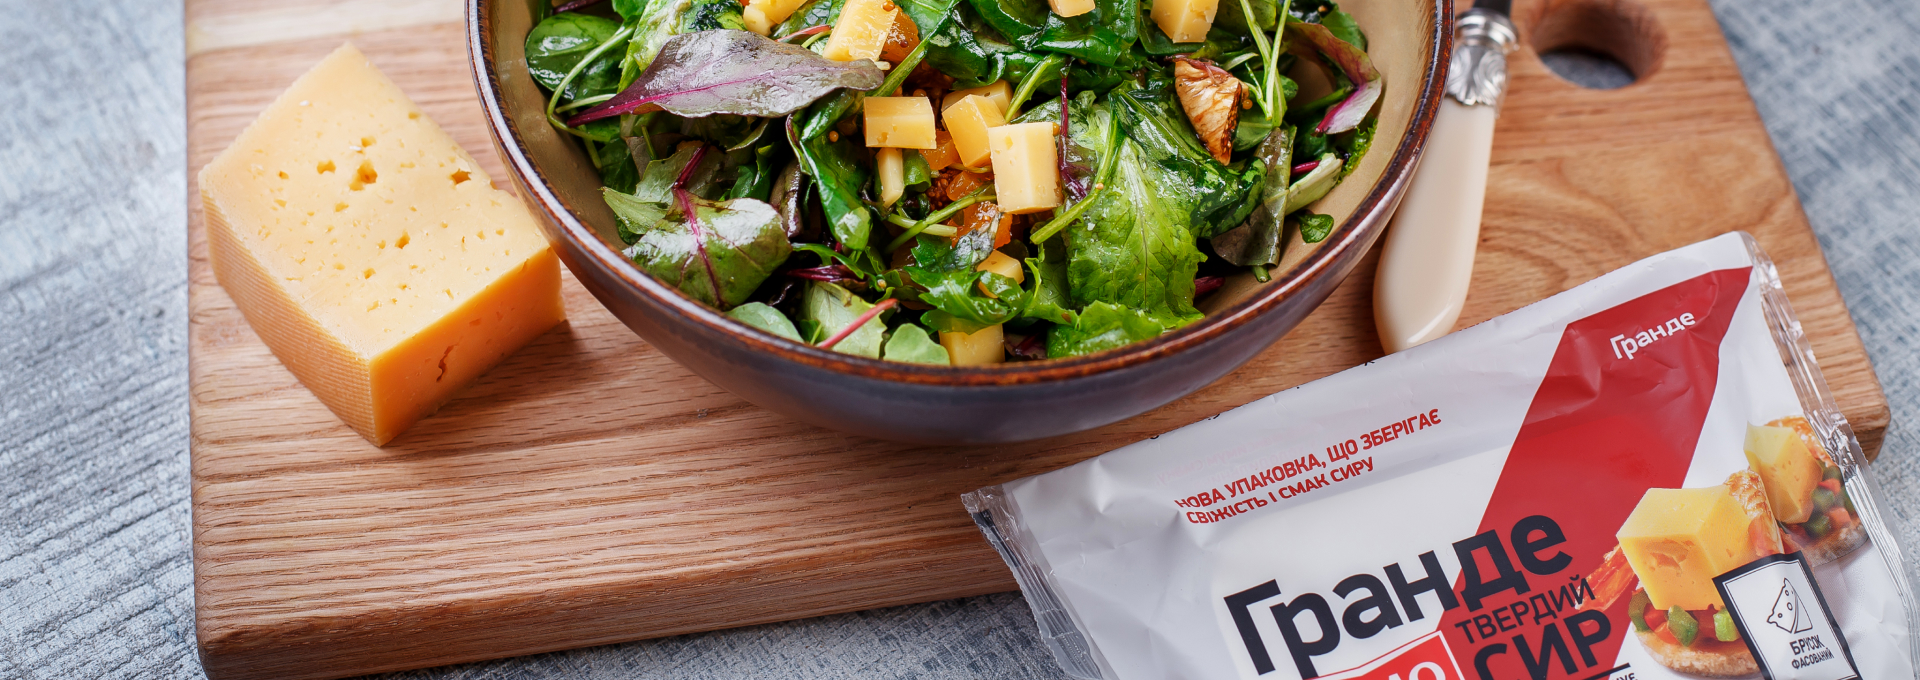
1477, 69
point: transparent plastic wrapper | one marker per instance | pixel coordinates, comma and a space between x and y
1640, 478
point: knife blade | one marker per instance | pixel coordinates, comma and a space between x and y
1426, 264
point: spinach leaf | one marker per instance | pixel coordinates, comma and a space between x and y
713, 15
1327, 13
734, 72
1314, 227
832, 309
1232, 15
616, 166
911, 344
1101, 327
1219, 41
763, 317
558, 43
839, 171
973, 53
755, 179
630, 10
1102, 36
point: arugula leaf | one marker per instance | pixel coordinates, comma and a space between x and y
832, 308
1101, 327
763, 317
953, 285
736, 72
912, 344
1050, 299
559, 42
839, 170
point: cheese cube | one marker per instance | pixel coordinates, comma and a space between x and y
1026, 172
369, 252
1000, 263
890, 169
967, 120
1677, 540
1787, 467
1071, 8
761, 15
900, 122
1185, 20
999, 91
862, 31
979, 348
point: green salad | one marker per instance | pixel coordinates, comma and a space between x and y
960, 182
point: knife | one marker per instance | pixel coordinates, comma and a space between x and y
1427, 261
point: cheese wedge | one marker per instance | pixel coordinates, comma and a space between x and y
1677, 540
369, 252
1788, 468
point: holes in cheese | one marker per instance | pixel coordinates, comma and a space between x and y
381, 335
761, 15
900, 122
862, 31
980, 348
1026, 176
999, 91
1074, 8
1185, 20
968, 120
1789, 470
1677, 540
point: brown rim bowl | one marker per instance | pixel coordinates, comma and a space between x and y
962, 405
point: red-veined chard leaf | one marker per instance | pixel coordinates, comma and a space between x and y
1353, 62
716, 252
736, 72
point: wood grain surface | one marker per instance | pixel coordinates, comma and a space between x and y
590, 490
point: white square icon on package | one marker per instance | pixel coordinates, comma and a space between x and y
1785, 621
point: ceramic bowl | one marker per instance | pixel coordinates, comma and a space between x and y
1408, 40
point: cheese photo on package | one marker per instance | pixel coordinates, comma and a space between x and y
1641, 478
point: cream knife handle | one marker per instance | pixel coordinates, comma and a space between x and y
1427, 261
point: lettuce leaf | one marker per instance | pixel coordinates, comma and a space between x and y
831, 309
763, 317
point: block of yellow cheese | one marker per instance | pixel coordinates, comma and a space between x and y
967, 120
369, 252
979, 348
1677, 540
899, 122
761, 15
1026, 167
1787, 468
999, 91
862, 30
1071, 8
1185, 20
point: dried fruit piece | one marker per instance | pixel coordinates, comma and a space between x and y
1211, 97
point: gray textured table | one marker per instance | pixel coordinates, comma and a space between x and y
95, 574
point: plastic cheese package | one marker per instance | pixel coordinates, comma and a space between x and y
1643, 477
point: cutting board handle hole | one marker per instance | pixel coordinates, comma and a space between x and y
1598, 44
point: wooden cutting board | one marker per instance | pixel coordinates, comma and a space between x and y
590, 490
